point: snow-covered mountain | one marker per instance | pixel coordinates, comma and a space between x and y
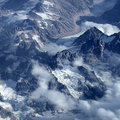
59, 59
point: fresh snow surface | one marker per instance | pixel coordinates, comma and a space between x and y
9, 94
47, 3
70, 80
37, 39
5, 118
45, 15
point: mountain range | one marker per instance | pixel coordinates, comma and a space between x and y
59, 60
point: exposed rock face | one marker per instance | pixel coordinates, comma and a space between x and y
114, 45
29, 30
97, 90
55, 15
90, 43
5, 113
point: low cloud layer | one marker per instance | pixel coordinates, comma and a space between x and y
107, 108
60, 99
104, 109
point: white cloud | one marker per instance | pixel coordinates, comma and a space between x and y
40, 71
60, 99
107, 29
43, 77
78, 61
84, 105
108, 107
106, 114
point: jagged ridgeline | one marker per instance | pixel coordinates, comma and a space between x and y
54, 65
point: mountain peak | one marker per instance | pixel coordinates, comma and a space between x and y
91, 34
94, 29
94, 32
43, 74
91, 42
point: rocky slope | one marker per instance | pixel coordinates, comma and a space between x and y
41, 78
